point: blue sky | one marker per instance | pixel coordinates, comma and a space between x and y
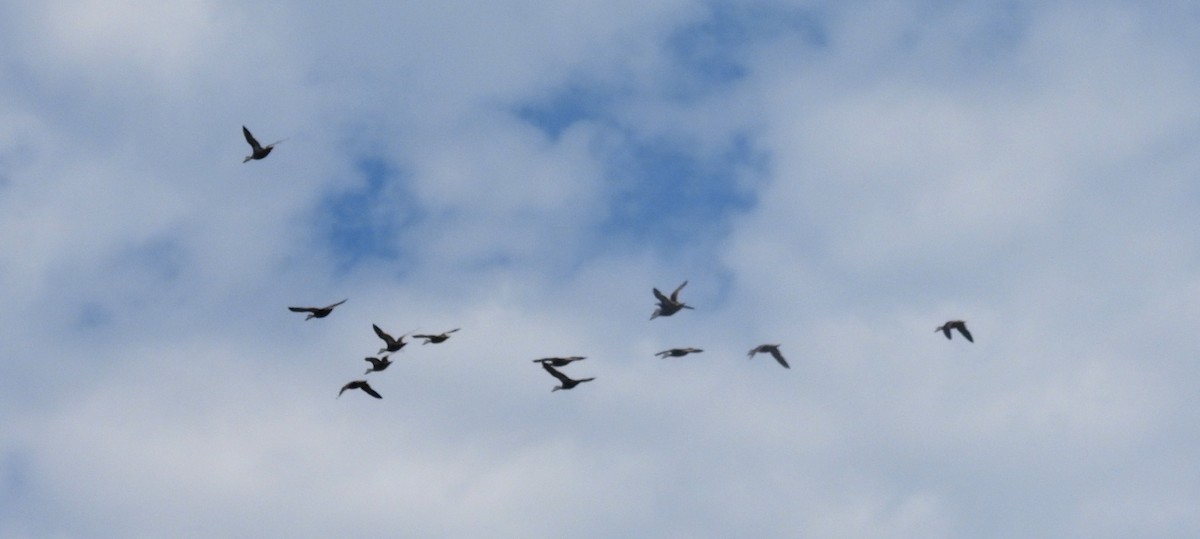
838, 178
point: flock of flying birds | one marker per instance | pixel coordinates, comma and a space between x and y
667, 306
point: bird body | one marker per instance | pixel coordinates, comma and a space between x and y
434, 339
257, 151
678, 352
360, 384
316, 312
772, 349
378, 363
959, 325
567, 383
668, 306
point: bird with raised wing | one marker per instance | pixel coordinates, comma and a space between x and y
316, 312
360, 384
559, 361
678, 352
772, 349
377, 363
257, 151
668, 306
960, 325
390, 344
567, 383
434, 339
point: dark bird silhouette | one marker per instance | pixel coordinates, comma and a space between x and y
377, 363
360, 384
441, 337
678, 352
960, 325
559, 361
668, 306
257, 151
772, 349
316, 312
567, 383
392, 345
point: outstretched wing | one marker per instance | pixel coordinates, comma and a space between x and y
302, 309
383, 335
336, 304
675, 294
250, 138
946, 329
962, 328
779, 357
554, 372
661, 298
370, 391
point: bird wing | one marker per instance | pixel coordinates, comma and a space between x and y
424, 336
336, 304
779, 357
946, 329
661, 298
383, 335
250, 138
451, 331
554, 372
302, 309
370, 391
962, 328
675, 294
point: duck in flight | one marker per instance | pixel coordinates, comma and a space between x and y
316, 312
377, 363
567, 383
391, 345
772, 349
960, 325
668, 306
360, 384
678, 352
559, 361
257, 151
441, 337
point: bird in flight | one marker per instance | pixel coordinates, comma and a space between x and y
441, 337
377, 363
559, 361
391, 345
360, 384
678, 352
257, 151
668, 306
316, 312
960, 325
567, 383
772, 349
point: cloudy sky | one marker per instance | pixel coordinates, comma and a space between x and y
836, 177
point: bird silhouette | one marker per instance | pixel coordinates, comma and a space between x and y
668, 306
316, 312
567, 383
678, 352
772, 349
960, 325
391, 345
360, 384
257, 151
377, 363
441, 337
559, 361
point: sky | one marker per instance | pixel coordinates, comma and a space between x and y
839, 178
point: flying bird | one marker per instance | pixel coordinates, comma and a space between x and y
567, 383
772, 349
668, 306
392, 345
960, 325
559, 361
678, 352
441, 337
360, 384
377, 363
316, 312
257, 151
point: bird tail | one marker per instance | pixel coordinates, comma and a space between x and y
247, 158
